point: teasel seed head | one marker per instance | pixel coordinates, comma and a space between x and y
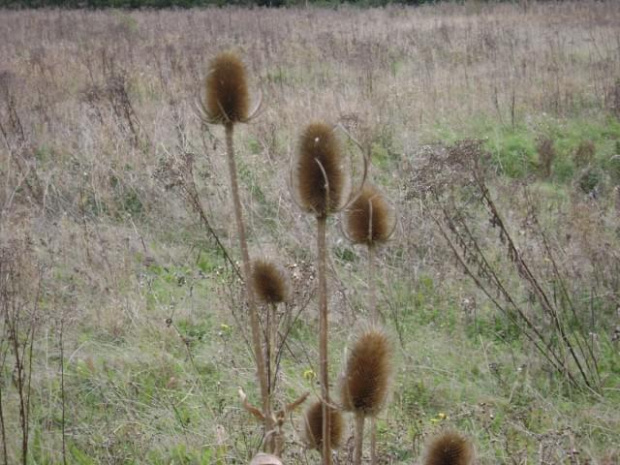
227, 90
369, 219
319, 175
265, 459
314, 426
270, 282
449, 448
366, 381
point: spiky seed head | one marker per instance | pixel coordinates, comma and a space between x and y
314, 426
270, 282
227, 90
370, 219
265, 459
449, 448
366, 381
320, 177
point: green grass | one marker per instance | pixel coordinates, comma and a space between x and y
514, 149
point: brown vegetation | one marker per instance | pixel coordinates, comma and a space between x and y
117, 192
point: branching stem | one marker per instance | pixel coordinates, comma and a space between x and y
261, 372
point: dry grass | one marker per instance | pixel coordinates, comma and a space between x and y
97, 108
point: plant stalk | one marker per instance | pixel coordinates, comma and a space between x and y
359, 438
373, 440
374, 313
62, 389
323, 335
261, 372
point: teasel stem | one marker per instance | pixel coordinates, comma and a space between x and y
323, 330
373, 440
359, 438
261, 372
374, 313
374, 319
272, 344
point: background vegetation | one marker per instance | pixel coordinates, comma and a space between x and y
139, 338
193, 3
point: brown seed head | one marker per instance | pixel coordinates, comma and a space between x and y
449, 448
320, 178
366, 381
270, 282
370, 219
227, 90
265, 459
314, 426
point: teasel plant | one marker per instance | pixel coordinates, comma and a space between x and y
321, 184
272, 287
313, 426
449, 448
227, 103
370, 221
366, 382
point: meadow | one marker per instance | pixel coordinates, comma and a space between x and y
494, 131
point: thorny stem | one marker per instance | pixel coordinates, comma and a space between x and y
323, 330
374, 313
62, 390
261, 372
373, 440
374, 319
2, 430
272, 328
359, 438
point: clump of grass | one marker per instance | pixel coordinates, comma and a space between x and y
546, 155
584, 153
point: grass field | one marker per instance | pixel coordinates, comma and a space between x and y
127, 320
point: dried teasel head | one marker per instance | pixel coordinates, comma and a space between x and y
227, 90
449, 448
369, 219
265, 459
366, 381
314, 426
320, 178
270, 282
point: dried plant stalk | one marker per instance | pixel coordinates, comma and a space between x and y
320, 182
227, 103
261, 371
